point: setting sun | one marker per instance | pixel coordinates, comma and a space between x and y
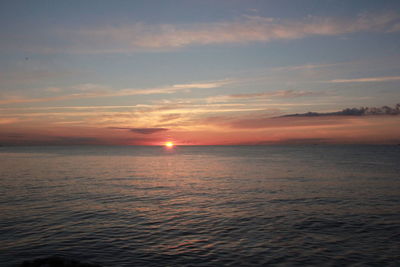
169, 144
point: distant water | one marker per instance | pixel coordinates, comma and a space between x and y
202, 206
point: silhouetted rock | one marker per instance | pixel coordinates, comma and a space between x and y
56, 262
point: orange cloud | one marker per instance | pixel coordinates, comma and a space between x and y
208, 125
219, 131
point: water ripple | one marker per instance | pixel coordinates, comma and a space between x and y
214, 206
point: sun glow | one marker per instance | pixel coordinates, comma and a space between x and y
169, 144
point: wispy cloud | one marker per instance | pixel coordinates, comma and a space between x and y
280, 93
202, 85
368, 79
244, 29
271, 94
95, 91
307, 67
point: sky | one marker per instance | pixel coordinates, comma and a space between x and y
221, 72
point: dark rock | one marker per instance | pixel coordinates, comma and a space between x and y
56, 262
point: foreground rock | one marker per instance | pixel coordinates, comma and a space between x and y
56, 262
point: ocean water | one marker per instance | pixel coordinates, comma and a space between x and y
202, 206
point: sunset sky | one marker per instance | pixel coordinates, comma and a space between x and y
217, 72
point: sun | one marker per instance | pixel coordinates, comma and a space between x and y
169, 144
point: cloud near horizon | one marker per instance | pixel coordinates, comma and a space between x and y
249, 128
345, 117
363, 111
141, 130
265, 122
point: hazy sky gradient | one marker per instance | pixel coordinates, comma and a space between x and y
197, 72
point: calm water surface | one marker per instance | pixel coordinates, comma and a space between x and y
202, 206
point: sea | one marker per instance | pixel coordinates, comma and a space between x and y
300, 205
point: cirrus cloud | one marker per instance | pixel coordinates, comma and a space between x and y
96, 91
242, 30
137, 37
